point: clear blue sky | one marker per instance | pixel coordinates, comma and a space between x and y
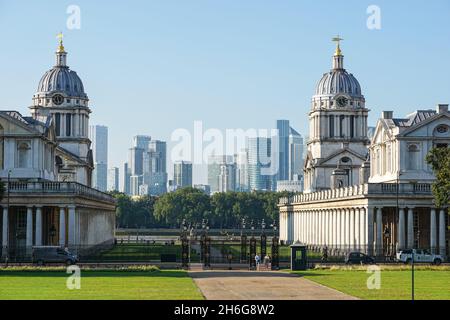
150, 67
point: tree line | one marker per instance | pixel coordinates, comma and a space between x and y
222, 210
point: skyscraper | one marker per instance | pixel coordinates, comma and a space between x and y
242, 177
136, 161
182, 174
295, 155
227, 177
126, 179
154, 171
260, 164
99, 136
283, 149
141, 141
113, 179
214, 169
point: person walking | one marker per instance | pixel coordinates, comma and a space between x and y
258, 261
267, 261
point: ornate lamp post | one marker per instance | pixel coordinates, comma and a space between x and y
252, 248
275, 248
263, 239
243, 242
184, 246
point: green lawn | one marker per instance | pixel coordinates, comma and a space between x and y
98, 285
395, 284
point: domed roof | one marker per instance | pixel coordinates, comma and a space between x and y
338, 81
61, 79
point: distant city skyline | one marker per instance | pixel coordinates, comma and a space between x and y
250, 72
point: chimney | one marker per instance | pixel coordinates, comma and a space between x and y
387, 114
442, 108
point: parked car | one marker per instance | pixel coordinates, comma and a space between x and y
52, 254
358, 258
405, 256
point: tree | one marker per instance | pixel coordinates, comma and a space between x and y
186, 203
439, 159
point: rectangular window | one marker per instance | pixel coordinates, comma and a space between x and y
341, 126
352, 126
58, 124
68, 125
331, 120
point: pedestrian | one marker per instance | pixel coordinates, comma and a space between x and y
258, 261
267, 261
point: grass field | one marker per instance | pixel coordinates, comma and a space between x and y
98, 285
395, 284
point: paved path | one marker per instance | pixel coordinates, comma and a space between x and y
252, 285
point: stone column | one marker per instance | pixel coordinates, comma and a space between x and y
442, 230
39, 226
363, 228
72, 227
357, 241
401, 228
334, 228
62, 226
347, 229
304, 227
369, 230
29, 236
433, 230
379, 236
342, 229
410, 233
5, 232
352, 228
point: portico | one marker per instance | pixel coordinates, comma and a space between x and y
82, 218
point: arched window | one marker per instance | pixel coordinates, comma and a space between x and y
23, 155
413, 157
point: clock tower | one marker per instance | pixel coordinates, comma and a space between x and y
338, 140
60, 93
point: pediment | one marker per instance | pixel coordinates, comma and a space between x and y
335, 158
12, 126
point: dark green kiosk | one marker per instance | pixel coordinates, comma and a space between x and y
299, 259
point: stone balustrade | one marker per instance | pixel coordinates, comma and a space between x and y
58, 187
359, 190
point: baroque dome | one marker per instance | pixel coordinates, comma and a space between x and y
338, 81
61, 79
60, 86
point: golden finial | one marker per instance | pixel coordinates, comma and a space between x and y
338, 40
60, 37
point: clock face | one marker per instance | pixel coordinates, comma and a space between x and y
58, 99
342, 101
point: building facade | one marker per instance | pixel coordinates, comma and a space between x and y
371, 197
47, 167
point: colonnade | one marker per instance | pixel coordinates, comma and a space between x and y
64, 224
